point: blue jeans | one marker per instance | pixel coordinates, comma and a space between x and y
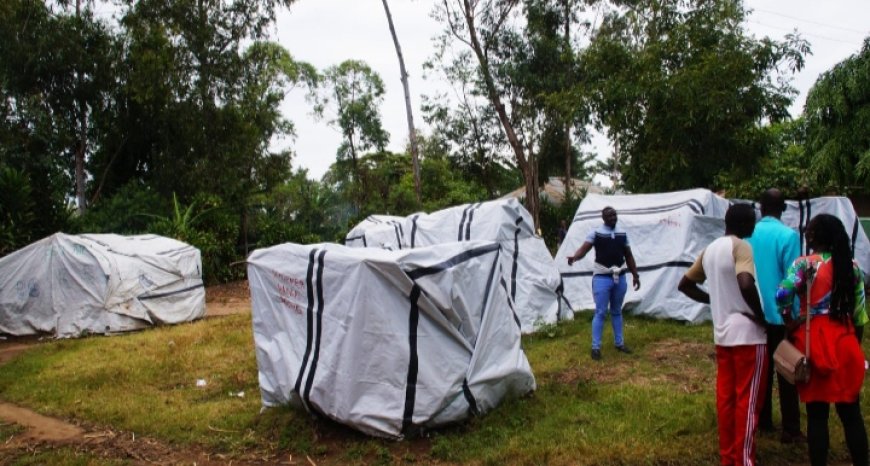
607, 292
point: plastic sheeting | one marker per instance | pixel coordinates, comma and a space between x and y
532, 276
799, 213
666, 232
69, 285
386, 342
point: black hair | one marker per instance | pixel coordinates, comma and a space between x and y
828, 232
740, 220
772, 202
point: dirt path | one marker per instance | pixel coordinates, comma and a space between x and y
43, 433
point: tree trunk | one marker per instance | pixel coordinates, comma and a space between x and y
81, 147
529, 169
412, 134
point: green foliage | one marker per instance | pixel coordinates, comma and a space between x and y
17, 211
837, 116
787, 167
122, 212
682, 90
552, 215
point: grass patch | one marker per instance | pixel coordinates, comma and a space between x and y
655, 406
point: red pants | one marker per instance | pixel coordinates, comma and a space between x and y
740, 385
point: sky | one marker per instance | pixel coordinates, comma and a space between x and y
326, 32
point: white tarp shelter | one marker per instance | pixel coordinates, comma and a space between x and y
532, 277
799, 213
386, 342
380, 231
69, 285
666, 232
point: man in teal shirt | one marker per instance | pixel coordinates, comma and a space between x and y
774, 248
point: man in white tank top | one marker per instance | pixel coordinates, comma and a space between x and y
738, 331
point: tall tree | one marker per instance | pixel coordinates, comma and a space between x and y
351, 96
682, 89
412, 134
485, 28
837, 115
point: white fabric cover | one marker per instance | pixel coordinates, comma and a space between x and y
799, 213
380, 231
666, 232
74, 284
386, 342
529, 270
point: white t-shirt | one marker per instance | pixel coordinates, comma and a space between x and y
719, 265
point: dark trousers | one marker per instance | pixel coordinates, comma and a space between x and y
853, 428
789, 405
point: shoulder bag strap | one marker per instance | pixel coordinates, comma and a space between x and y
809, 309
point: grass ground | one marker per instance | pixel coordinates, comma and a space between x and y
653, 407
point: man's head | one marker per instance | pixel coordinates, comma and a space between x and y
772, 203
608, 214
740, 220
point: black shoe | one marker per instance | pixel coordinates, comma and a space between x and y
623, 349
596, 355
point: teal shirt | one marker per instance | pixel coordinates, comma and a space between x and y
774, 248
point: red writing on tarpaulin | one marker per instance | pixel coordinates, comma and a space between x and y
289, 291
670, 222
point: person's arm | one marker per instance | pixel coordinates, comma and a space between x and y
746, 283
580, 253
629, 260
689, 283
691, 289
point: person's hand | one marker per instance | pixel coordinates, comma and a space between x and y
636, 280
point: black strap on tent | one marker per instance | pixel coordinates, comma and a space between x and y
854, 234
560, 296
488, 289
413, 362
469, 397
511, 304
309, 284
693, 204
457, 259
645, 268
414, 229
398, 229
462, 221
514, 266
470, 217
169, 293
319, 329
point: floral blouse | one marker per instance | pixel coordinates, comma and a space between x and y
820, 295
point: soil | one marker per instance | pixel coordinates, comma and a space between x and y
43, 433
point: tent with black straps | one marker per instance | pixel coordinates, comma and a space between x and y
798, 214
378, 231
68, 285
532, 277
386, 342
666, 232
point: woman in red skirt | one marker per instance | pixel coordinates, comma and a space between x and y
836, 305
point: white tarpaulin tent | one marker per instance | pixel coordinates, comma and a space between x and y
532, 277
799, 213
69, 285
381, 231
666, 232
386, 342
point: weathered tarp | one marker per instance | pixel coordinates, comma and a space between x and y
74, 284
386, 342
666, 231
799, 213
529, 269
379, 231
